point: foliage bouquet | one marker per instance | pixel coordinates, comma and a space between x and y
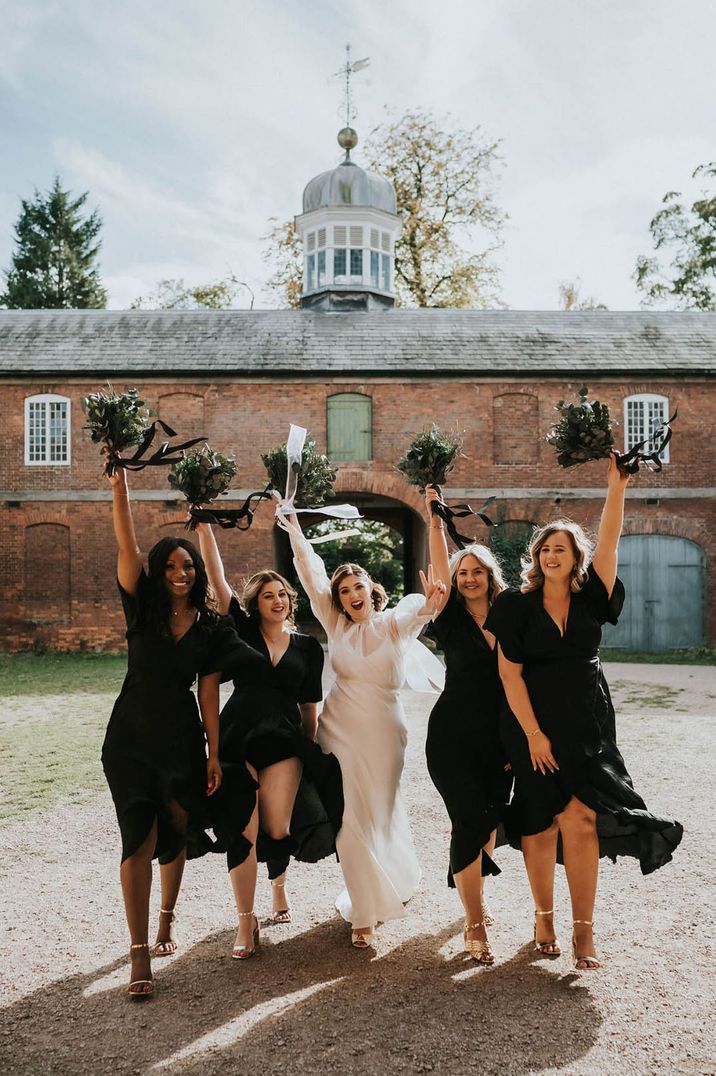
117, 420
314, 475
428, 461
201, 475
583, 431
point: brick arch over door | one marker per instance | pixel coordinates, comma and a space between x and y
47, 573
515, 428
184, 412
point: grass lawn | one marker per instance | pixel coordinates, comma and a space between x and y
53, 714
699, 655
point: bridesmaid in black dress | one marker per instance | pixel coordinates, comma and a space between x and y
282, 795
572, 788
466, 760
154, 753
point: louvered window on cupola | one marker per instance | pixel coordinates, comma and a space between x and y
47, 429
311, 241
375, 239
644, 413
385, 241
340, 254
349, 423
321, 237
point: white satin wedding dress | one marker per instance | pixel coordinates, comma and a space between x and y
363, 724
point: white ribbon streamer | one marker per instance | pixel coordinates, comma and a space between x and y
294, 454
423, 671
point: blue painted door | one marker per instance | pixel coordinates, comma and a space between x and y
665, 581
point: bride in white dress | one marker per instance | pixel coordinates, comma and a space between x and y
363, 724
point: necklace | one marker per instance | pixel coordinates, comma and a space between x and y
479, 620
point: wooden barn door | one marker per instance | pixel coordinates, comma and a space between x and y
349, 427
665, 581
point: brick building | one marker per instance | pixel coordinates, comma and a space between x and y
364, 378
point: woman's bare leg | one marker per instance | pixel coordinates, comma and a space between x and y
243, 880
468, 883
540, 855
135, 875
578, 826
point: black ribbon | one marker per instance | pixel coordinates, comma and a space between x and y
449, 513
229, 518
164, 456
629, 461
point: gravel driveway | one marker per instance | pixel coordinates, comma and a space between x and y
310, 1004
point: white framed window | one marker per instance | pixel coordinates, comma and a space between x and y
643, 414
47, 429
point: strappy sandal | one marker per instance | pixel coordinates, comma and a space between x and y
243, 952
479, 950
284, 914
591, 963
166, 948
139, 994
363, 938
487, 916
547, 948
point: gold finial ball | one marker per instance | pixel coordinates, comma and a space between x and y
347, 138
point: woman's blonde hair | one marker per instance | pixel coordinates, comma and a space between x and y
582, 548
378, 596
253, 587
496, 583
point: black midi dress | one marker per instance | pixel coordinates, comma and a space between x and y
154, 751
572, 704
465, 757
261, 724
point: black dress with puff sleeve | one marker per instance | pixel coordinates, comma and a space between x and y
154, 751
572, 704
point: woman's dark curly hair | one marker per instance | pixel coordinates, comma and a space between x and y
159, 606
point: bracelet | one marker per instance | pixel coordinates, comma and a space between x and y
439, 527
534, 732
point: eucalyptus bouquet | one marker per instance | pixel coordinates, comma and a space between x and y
202, 475
430, 458
118, 420
583, 432
315, 475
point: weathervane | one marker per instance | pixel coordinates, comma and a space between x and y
346, 72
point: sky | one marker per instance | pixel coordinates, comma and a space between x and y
192, 124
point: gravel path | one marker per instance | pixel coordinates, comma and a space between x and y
310, 1004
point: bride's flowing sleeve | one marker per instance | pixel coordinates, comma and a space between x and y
407, 620
312, 575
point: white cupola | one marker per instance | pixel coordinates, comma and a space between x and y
348, 228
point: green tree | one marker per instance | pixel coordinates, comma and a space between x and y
570, 297
283, 254
54, 265
378, 549
509, 541
443, 179
688, 236
178, 295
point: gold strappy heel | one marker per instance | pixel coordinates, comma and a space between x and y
243, 952
480, 951
554, 949
363, 938
140, 982
284, 914
591, 963
166, 948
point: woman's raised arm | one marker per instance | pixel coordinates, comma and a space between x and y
129, 560
209, 549
438, 546
610, 526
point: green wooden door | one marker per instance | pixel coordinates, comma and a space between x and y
349, 422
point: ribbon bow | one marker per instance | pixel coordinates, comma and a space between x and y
294, 455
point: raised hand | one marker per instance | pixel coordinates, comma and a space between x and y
434, 590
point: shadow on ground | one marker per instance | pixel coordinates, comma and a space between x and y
309, 1004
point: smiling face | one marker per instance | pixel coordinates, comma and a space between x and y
179, 573
472, 578
557, 556
354, 595
273, 603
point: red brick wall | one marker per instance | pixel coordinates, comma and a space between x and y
504, 424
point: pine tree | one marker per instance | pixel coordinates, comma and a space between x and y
54, 264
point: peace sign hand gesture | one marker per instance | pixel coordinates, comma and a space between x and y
434, 590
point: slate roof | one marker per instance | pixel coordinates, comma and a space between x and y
407, 343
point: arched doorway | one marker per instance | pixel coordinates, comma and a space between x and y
665, 581
395, 514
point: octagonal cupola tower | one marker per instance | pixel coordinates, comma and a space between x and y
348, 227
